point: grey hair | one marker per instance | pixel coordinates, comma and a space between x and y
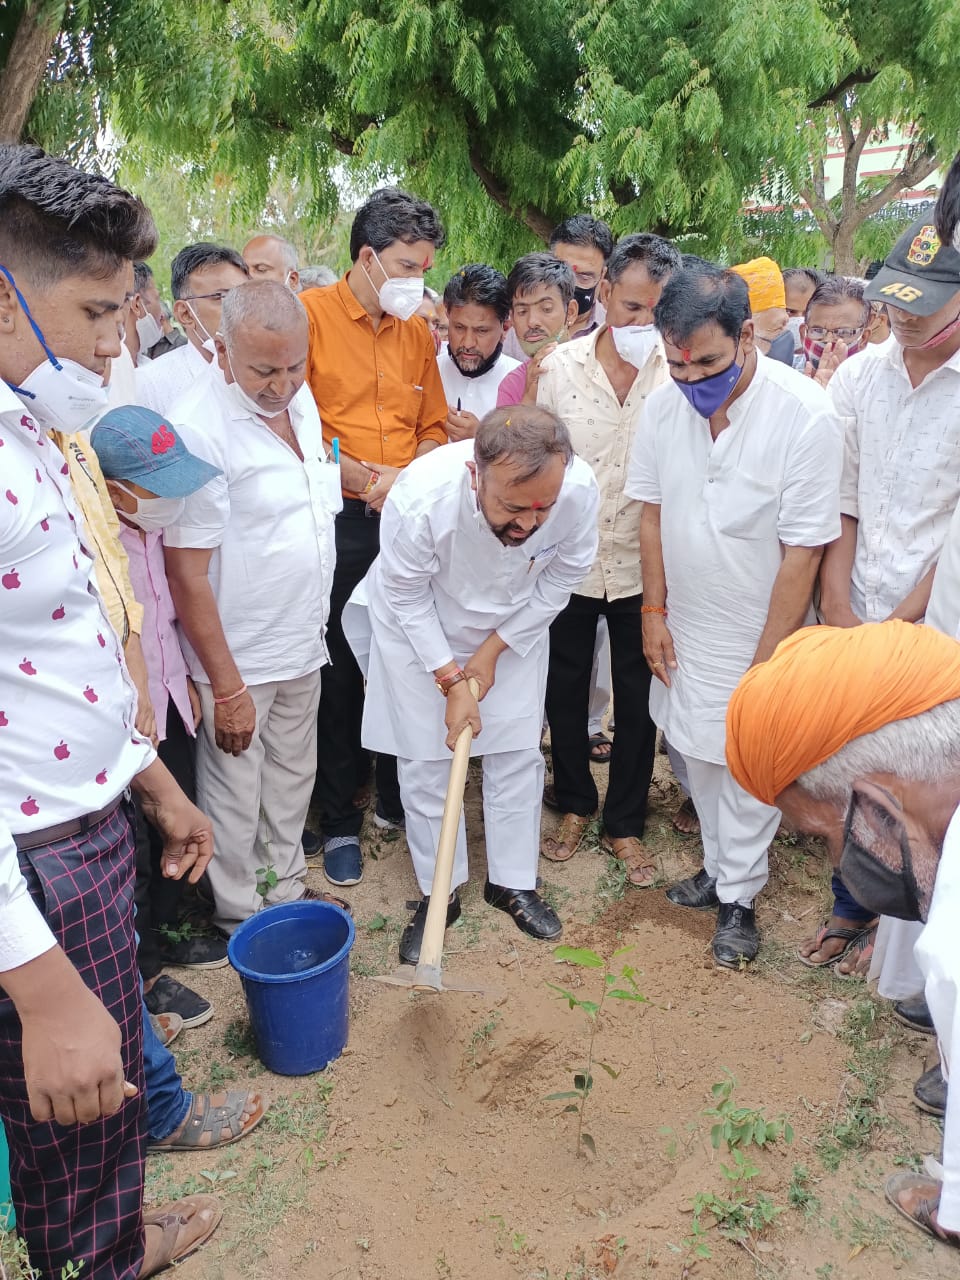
922, 747
316, 277
288, 250
265, 304
524, 435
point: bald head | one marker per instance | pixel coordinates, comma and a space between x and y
272, 258
262, 343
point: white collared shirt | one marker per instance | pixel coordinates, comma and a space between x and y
901, 472
160, 383
727, 506
475, 395
269, 521
574, 386
68, 745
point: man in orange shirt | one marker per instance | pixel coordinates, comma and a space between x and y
372, 369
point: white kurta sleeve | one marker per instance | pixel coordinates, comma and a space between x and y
408, 561
809, 513
557, 582
840, 391
643, 473
24, 934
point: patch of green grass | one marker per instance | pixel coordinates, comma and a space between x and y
799, 1193
856, 1117
555, 895
481, 1038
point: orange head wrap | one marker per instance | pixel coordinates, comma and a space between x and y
825, 686
764, 282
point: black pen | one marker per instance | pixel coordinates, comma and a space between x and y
458, 404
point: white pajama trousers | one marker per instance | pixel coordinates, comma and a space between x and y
258, 801
512, 794
735, 830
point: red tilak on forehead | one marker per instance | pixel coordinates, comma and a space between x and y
685, 352
426, 263
537, 506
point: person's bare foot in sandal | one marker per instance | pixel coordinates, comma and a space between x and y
601, 748
641, 870
563, 842
856, 963
917, 1197
830, 942
174, 1231
686, 821
215, 1120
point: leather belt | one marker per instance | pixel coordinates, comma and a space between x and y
357, 507
64, 830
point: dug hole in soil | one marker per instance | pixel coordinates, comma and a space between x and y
438, 1155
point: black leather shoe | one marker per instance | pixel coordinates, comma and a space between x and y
412, 936
698, 891
930, 1092
530, 912
737, 937
913, 1013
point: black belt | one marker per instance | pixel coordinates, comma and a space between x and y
64, 830
354, 507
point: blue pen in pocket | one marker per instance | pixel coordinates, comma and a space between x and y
335, 449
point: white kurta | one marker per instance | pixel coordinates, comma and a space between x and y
443, 582
771, 478
476, 395
938, 956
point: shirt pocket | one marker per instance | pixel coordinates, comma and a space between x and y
742, 506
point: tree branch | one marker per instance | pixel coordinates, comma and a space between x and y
538, 222
863, 76
913, 172
26, 62
815, 196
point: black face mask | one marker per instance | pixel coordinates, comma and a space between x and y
873, 884
585, 299
781, 348
485, 365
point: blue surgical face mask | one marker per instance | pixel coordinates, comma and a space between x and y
708, 394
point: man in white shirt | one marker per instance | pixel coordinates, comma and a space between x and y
854, 733
200, 277
900, 410
250, 563
143, 328
598, 387
473, 364
71, 1049
734, 522
483, 541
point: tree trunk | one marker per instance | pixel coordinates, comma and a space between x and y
26, 63
844, 259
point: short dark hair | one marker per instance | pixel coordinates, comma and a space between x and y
480, 286
142, 276
195, 256
541, 268
698, 296
836, 289
659, 256
810, 274
56, 221
391, 214
592, 233
946, 213
524, 433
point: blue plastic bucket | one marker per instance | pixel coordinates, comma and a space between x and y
294, 962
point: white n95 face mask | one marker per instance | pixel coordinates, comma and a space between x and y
63, 395
398, 296
635, 343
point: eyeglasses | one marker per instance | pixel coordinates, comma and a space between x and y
819, 334
201, 297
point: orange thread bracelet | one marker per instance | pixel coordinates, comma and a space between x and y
218, 702
653, 608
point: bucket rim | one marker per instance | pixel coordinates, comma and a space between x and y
259, 920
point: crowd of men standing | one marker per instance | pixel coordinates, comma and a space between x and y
257, 552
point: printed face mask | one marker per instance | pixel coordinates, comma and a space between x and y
585, 299
707, 395
814, 350
635, 343
152, 514
398, 295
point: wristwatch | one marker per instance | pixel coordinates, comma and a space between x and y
446, 683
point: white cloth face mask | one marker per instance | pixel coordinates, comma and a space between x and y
152, 514
208, 343
635, 343
148, 331
245, 403
398, 296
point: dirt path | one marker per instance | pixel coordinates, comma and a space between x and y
429, 1151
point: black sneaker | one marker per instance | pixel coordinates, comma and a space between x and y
915, 1014
169, 996
312, 843
200, 952
737, 938
930, 1092
699, 891
388, 821
412, 936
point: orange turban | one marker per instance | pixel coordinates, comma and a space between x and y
825, 686
764, 282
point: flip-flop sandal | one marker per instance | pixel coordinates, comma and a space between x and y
854, 939
171, 1219
563, 843
600, 740
202, 1127
690, 809
922, 1216
862, 948
630, 851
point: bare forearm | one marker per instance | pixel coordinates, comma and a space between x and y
426, 446
790, 598
913, 606
354, 476
836, 570
651, 558
197, 612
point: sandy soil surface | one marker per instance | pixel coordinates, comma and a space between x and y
429, 1149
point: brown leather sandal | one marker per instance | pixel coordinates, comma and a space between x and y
186, 1224
566, 839
916, 1197
629, 850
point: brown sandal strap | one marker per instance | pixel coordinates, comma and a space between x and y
568, 835
632, 854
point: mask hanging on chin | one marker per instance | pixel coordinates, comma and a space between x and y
148, 331
152, 514
534, 348
208, 343
398, 296
708, 394
485, 365
635, 343
585, 299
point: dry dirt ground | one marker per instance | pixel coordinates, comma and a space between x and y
430, 1150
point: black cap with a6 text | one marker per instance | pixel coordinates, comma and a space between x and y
920, 274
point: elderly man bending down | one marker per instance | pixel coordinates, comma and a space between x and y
482, 543
854, 733
250, 565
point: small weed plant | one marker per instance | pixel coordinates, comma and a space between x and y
740, 1126
621, 985
267, 879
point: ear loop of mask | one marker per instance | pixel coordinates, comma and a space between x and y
37, 333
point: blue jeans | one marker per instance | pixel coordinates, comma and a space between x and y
845, 905
167, 1100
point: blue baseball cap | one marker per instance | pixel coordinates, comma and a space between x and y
136, 444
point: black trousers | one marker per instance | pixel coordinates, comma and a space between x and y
572, 639
342, 763
157, 897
